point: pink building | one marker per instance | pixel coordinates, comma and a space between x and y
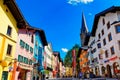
24, 54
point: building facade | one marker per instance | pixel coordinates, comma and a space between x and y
57, 66
24, 53
8, 36
39, 43
106, 29
48, 60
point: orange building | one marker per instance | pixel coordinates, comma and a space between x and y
83, 57
84, 38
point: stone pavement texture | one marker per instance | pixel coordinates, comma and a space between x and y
84, 79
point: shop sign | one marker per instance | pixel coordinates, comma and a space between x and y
113, 58
25, 66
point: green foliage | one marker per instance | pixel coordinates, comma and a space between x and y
68, 57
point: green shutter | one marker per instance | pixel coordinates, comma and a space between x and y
26, 60
20, 58
30, 62
31, 49
27, 46
22, 43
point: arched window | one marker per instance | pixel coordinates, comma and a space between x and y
103, 69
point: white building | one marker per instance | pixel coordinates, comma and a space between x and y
105, 42
48, 60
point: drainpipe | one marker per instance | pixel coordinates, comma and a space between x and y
14, 70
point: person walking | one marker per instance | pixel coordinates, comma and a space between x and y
80, 75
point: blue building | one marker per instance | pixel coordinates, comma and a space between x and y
39, 43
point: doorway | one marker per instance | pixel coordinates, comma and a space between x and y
5, 75
109, 71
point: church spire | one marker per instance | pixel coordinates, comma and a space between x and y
84, 31
84, 28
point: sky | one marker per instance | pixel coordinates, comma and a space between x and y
61, 19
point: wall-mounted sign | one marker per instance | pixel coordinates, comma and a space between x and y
25, 66
113, 58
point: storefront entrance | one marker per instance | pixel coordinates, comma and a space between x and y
109, 74
116, 68
103, 70
5, 75
22, 74
97, 71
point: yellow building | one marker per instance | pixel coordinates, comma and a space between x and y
69, 72
10, 21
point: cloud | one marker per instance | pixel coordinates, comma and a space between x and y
64, 49
75, 2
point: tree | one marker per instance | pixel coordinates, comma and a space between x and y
68, 57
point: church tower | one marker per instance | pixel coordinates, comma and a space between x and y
84, 34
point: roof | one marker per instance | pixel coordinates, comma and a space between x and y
56, 53
11, 4
97, 16
84, 28
41, 34
21, 22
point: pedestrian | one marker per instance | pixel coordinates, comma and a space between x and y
80, 75
91, 75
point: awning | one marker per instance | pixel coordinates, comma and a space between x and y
44, 71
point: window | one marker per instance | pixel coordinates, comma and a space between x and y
106, 53
103, 69
27, 46
22, 43
25, 60
31, 49
102, 31
30, 62
117, 29
119, 44
96, 60
4, 75
103, 21
109, 37
9, 49
93, 51
9, 31
32, 39
99, 45
99, 36
36, 43
108, 25
20, 58
104, 41
100, 56
112, 50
